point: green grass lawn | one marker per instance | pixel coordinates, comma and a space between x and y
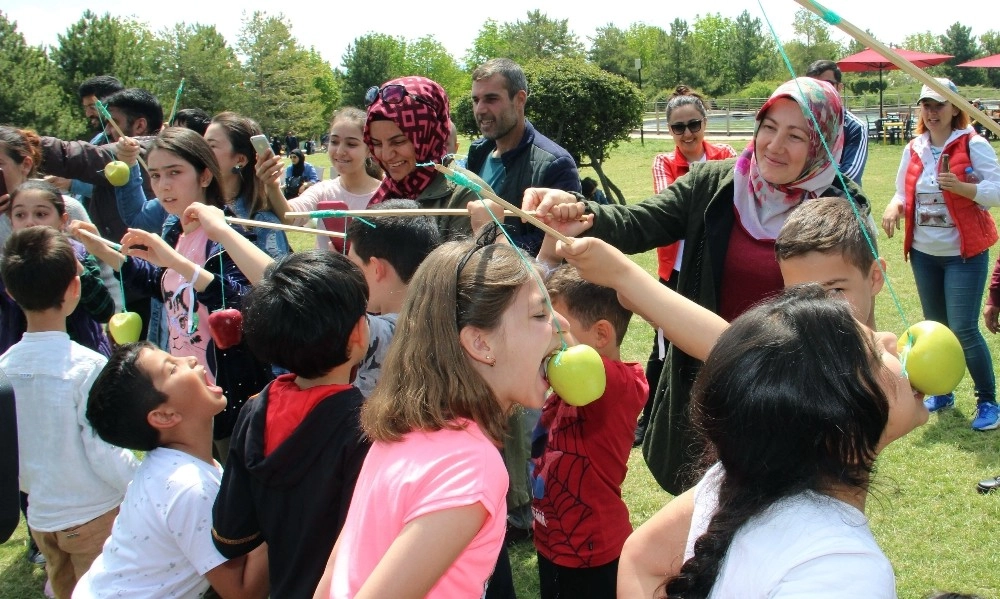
937, 531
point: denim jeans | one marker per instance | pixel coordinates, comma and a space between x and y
951, 292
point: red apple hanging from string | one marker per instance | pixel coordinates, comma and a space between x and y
226, 327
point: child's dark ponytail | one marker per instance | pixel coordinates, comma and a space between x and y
789, 401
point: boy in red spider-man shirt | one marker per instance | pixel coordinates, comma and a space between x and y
581, 453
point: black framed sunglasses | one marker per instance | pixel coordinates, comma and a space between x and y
391, 94
694, 126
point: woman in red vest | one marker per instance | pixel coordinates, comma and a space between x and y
947, 180
688, 120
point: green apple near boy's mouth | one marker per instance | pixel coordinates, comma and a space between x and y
125, 327
577, 374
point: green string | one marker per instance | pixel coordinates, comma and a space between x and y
121, 283
177, 101
337, 214
102, 110
221, 281
828, 15
460, 179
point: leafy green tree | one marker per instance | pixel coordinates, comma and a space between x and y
751, 52
679, 65
711, 37
371, 59
428, 58
211, 71
616, 51
650, 44
924, 41
281, 94
539, 37
106, 45
813, 41
489, 43
960, 43
989, 44
30, 96
584, 109
609, 50
329, 83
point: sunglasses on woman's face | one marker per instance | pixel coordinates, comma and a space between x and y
391, 94
694, 126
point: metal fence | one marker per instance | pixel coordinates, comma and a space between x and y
735, 116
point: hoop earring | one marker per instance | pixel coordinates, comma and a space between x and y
368, 161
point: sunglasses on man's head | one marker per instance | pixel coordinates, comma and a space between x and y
694, 126
391, 94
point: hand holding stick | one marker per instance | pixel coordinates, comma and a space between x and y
107, 116
531, 218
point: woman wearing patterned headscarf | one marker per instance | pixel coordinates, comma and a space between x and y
728, 212
407, 127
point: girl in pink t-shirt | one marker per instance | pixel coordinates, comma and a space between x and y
428, 514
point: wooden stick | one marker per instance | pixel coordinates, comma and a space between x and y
531, 218
905, 65
107, 115
115, 246
264, 225
404, 212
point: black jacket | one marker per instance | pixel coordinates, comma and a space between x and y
536, 162
295, 498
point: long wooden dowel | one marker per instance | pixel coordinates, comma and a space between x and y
403, 212
531, 218
911, 69
264, 225
103, 110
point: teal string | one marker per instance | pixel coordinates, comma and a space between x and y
222, 285
826, 14
103, 110
338, 214
843, 183
477, 189
121, 283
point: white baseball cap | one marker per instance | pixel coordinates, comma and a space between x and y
927, 92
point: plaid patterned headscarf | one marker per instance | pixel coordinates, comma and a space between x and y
426, 124
762, 205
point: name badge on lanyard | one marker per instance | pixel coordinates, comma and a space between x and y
931, 211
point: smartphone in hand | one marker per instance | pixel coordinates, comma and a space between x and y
260, 144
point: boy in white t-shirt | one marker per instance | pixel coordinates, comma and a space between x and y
75, 480
161, 543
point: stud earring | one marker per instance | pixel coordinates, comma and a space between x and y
236, 169
491, 361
